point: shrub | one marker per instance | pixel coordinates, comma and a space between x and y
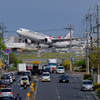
99, 92
87, 77
96, 86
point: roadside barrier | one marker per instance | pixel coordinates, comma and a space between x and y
31, 93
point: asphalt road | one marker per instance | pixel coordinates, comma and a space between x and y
18, 89
62, 91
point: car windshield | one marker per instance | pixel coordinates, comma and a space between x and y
46, 75
60, 67
47, 69
26, 73
53, 64
6, 90
87, 82
4, 77
6, 98
63, 76
2, 82
24, 78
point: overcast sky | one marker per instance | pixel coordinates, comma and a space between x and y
38, 15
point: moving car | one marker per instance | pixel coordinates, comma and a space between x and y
87, 85
27, 73
10, 77
60, 70
64, 78
6, 79
3, 84
48, 69
6, 98
38, 71
6, 92
46, 76
23, 78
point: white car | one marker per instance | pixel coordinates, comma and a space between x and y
46, 76
60, 69
23, 78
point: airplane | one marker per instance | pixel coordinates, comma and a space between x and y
44, 39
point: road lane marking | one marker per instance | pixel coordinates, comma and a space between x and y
59, 97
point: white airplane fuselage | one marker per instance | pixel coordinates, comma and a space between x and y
38, 37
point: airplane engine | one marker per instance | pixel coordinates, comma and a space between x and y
28, 41
47, 40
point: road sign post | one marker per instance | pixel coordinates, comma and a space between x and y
7, 52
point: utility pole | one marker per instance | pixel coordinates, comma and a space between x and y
98, 42
87, 48
70, 48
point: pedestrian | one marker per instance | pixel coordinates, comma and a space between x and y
18, 97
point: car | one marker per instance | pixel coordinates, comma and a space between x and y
27, 73
38, 71
10, 77
13, 75
87, 85
6, 79
29, 68
3, 84
60, 70
6, 92
46, 76
23, 78
48, 69
64, 78
7, 98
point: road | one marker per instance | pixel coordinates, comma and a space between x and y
62, 91
18, 89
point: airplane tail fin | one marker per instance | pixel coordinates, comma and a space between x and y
68, 36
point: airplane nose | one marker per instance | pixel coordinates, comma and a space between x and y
18, 32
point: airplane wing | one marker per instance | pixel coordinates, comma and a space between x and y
59, 40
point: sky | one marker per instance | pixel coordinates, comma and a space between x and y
45, 15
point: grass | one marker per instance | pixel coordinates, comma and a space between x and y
44, 55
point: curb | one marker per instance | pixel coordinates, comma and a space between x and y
95, 95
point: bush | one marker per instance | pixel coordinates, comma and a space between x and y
80, 70
96, 86
99, 92
87, 76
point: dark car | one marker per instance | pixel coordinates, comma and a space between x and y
3, 84
64, 78
27, 73
6, 79
38, 71
7, 98
48, 69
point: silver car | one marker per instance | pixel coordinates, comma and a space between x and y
87, 85
6, 92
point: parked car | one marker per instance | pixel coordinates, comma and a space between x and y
6, 92
87, 85
60, 70
64, 78
23, 78
27, 73
13, 75
6, 79
46, 76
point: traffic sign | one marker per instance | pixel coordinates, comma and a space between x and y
7, 50
38, 53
